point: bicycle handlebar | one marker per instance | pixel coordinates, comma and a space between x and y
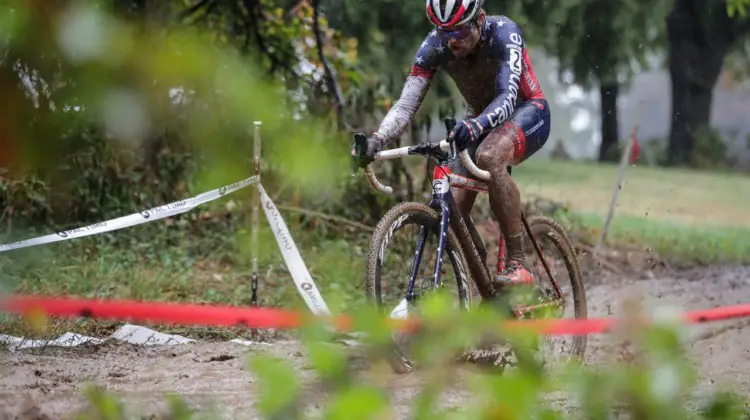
359, 147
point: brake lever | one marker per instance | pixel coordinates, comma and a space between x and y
359, 149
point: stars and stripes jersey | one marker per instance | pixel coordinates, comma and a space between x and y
494, 79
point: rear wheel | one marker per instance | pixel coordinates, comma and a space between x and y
541, 300
389, 266
559, 254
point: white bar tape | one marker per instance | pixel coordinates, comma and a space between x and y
145, 216
295, 264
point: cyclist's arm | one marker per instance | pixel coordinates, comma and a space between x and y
470, 112
508, 79
415, 88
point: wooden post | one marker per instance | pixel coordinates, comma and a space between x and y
618, 184
254, 222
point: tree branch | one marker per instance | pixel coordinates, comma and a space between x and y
208, 4
330, 217
253, 25
333, 86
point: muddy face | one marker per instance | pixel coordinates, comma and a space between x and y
465, 39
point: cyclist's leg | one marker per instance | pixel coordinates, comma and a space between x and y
465, 199
508, 145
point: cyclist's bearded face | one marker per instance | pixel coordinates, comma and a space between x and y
463, 39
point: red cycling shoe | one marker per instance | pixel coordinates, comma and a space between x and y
515, 273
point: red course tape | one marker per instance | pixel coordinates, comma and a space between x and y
222, 315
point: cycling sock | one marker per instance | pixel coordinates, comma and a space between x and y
515, 248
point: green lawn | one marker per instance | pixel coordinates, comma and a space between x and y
200, 262
682, 214
688, 197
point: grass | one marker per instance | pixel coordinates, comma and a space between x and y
673, 241
203, 262
684, 215
687, 197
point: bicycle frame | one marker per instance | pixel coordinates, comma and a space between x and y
443, 201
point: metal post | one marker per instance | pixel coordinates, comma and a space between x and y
254, 220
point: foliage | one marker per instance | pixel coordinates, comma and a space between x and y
651, 378
709, 150
737, 7
283, 34
114, 126
140, 116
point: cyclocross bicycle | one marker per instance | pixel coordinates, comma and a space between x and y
440, 220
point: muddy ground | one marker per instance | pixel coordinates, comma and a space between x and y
48, 385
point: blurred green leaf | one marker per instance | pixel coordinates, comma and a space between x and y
278, 385
357, 402
103, 405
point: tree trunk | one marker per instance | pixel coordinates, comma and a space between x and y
608, 93
700, 34
680, 138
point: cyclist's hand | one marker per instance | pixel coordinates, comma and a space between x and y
465, 133
374, 145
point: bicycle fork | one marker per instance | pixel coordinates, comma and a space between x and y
441, 188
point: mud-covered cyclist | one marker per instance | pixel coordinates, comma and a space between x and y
507, 118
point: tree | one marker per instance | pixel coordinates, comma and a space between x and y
388, 34
701, 33
599, 43
82, 103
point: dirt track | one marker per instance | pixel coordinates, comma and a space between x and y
213, 374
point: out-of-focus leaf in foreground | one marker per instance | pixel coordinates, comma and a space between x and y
134, 82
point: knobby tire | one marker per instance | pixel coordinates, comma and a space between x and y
398, 216
543, 226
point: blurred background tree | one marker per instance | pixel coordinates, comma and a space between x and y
701, 33
601, 44
339, 62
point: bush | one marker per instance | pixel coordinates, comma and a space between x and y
709, 150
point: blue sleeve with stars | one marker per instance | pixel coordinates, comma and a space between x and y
506, 36
428, 56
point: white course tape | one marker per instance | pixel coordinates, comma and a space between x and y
297, 268
133, 334
128, 333
145, 216
294, 262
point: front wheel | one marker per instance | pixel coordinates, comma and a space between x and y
395, 246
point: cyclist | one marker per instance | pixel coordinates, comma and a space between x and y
507, 118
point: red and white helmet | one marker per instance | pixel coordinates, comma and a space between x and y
449, 13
